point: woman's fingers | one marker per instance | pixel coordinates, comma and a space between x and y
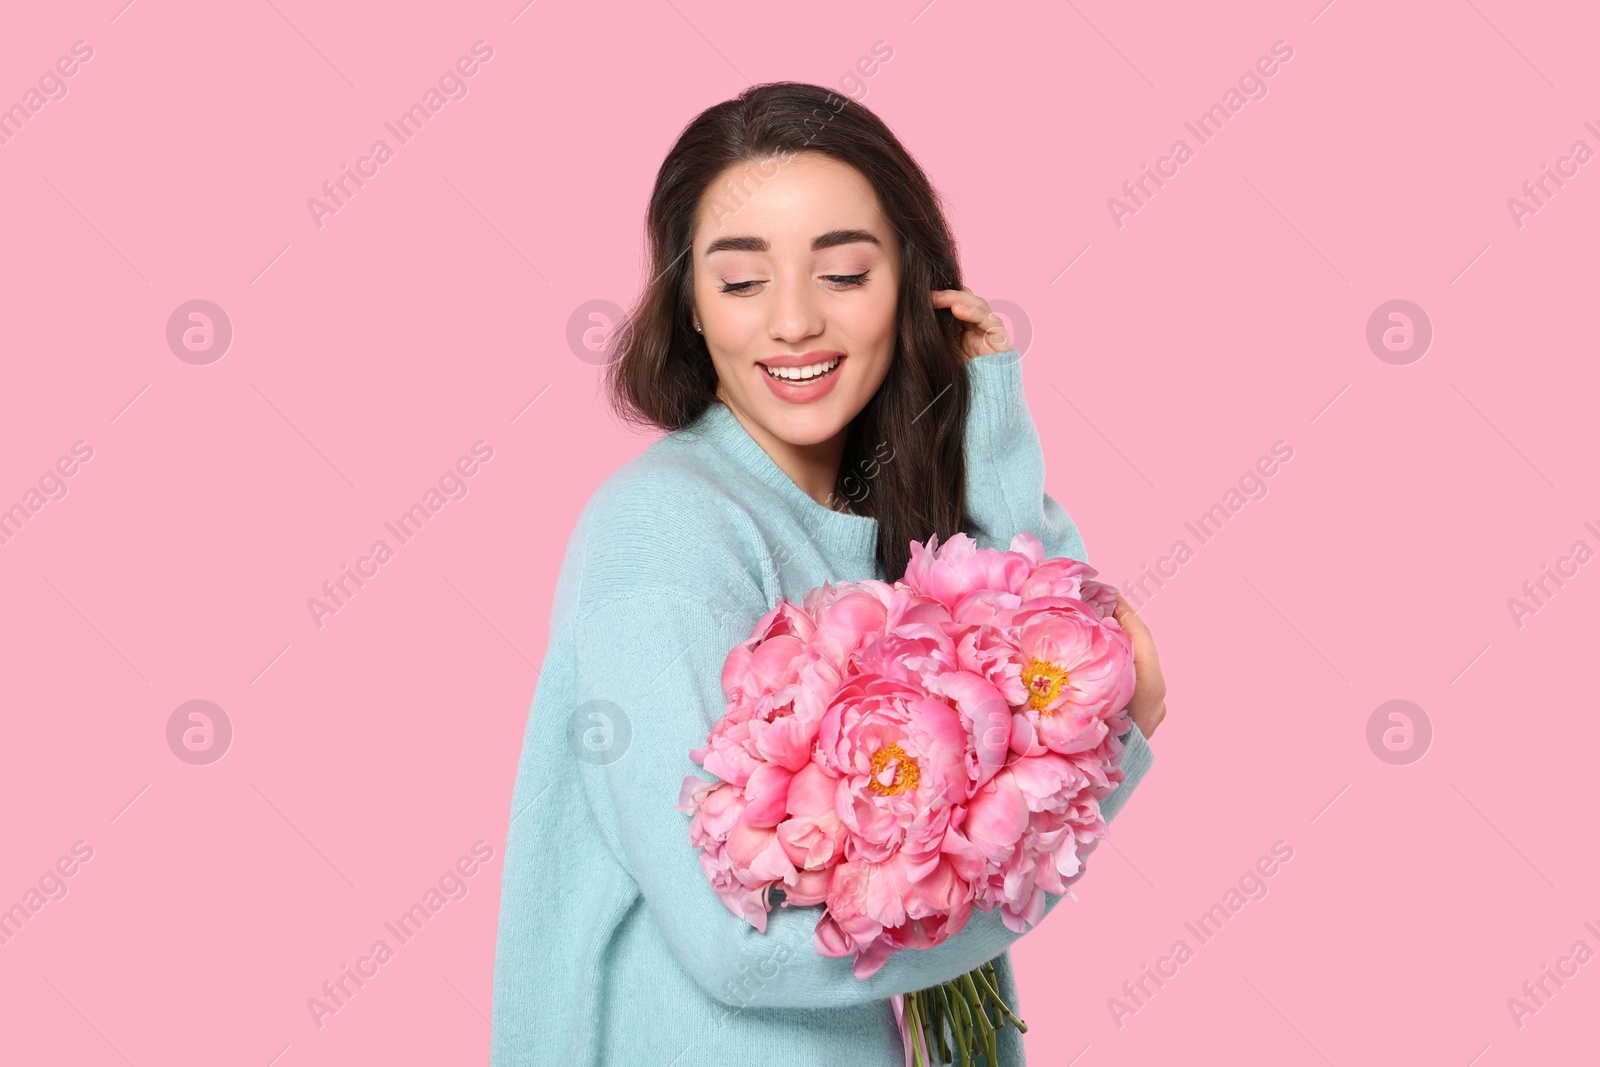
985, 331
1130, 620
1149, 704
963, 302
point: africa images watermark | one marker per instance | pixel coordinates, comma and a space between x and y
1579, 154
854, 80
1579, 554
51, 885
452, 885
735, 193
1252, 85
452, 485
1252, 485
1251, 886
1537, 992
51, 486
52, 86
452, 85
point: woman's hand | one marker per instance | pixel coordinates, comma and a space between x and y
985, 333
1149, 704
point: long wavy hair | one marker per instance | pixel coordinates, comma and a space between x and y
660, 372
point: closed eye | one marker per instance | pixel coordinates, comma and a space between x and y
844, 281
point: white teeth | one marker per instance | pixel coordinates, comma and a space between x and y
800, 374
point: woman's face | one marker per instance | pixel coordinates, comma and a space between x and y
796, 267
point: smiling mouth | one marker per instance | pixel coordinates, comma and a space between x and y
803, 374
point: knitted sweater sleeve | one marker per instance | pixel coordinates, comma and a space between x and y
1005, 464
1005, 495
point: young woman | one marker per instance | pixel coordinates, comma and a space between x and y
830, 392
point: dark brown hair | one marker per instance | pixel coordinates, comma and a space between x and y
660, 372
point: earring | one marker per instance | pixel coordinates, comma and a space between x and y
697, 327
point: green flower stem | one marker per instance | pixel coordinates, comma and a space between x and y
937, 1010
949, 1012
914, 1024
985, 1026
986, 974
968, 1027
961, 1007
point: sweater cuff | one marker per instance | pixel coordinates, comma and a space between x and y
997, 395
1136, 754
1136, 760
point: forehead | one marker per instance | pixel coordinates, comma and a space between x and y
789, 204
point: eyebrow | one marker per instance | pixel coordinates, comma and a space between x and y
831, 239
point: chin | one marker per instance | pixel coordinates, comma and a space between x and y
803, 429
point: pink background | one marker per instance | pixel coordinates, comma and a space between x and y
1230, 312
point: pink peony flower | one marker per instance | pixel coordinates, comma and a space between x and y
903, 753
900, 755
777, 685
1027, 824
763, 668
813, 835
1059, 576
960, 569
739, 865
847, 616
875, 910
1075, 669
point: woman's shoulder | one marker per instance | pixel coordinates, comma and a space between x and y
674, 489
667, 520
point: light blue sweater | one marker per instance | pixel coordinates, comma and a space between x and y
612, 946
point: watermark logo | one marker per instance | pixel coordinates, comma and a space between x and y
199, 732
1399, 732
1399, 332
590, 329
1017, 323
199, 332
599, 732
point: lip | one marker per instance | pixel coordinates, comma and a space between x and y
808, 392
803, 359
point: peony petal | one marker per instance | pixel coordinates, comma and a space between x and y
767, 795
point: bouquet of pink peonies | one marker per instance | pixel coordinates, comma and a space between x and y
902, 753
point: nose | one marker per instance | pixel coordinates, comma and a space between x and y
796, 311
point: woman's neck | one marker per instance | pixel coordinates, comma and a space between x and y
814, 468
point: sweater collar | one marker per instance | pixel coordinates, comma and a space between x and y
855, 536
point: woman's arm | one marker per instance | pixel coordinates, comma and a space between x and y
652, 664
1005, 464
1005, 491
1005, 495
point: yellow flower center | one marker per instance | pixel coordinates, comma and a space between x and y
903, 768
1045, 682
